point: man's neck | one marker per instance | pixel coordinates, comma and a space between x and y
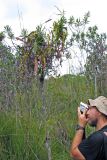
101, 124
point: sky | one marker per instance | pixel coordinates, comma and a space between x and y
28, 14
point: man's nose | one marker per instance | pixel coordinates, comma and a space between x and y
87, 112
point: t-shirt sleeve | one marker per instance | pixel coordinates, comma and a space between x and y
91, 146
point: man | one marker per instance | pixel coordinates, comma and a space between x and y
95, 146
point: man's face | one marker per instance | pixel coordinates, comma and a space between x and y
92, 115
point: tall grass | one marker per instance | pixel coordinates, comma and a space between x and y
24, 127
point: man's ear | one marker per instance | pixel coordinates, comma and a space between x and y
99, 113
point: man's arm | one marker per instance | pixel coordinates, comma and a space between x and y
74, 152
82, 121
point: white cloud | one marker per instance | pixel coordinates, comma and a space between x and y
30, 13
97, 8
26, 13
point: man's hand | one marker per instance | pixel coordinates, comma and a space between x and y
82, 118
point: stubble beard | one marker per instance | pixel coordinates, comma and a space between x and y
93, 123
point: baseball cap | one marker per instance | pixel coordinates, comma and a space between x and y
100, 103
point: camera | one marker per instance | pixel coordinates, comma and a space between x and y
83, 107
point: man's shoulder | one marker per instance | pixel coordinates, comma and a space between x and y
96, 136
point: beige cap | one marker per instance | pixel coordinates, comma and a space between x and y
100, 103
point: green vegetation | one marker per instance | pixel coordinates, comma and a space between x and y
38, 115
24, 128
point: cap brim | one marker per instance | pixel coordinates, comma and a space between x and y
92, 102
